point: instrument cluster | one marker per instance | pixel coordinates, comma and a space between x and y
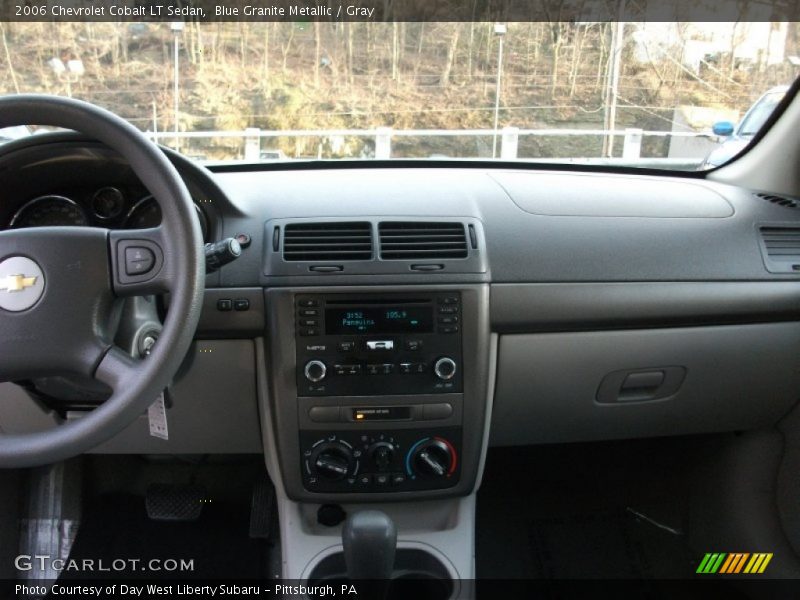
115, 207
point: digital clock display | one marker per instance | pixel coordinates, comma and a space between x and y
362, 320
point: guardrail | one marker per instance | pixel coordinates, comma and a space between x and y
508, 137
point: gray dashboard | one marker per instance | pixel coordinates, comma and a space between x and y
590, 274
684, 229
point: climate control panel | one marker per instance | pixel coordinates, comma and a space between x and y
391, 461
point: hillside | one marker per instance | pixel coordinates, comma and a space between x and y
357, 75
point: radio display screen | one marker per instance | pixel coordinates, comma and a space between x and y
383, 319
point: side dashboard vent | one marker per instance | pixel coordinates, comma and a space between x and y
413, 240
780, 200
327, 241
781, 246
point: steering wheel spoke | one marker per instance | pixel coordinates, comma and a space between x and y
116, 368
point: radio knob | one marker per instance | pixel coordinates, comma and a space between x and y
445, 368
315, 370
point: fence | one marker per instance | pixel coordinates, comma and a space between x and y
507, 136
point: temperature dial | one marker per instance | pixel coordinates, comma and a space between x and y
432, 457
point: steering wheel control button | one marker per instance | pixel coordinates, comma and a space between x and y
138, 260
224, 304
21, 283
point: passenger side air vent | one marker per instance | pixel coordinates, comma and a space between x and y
413, 240
327, 241
781, 248
780, 200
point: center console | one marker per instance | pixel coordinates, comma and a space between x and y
379, 395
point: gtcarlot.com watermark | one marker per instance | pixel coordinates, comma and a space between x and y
46, 563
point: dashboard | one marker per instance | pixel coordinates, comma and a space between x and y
388, 321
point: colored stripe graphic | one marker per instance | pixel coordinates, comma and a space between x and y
728, 562
758, 563
734, 563
711, 562
741, 562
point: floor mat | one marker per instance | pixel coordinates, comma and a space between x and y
605, 545
583, 511
116, 526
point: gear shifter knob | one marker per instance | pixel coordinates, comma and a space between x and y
369, 538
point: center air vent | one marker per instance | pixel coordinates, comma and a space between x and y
327, 241
412, 240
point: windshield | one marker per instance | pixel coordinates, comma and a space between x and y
633, 94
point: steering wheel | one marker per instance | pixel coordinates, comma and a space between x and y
58, 287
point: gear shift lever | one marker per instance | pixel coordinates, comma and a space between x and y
369, 538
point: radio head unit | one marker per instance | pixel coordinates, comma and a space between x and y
378, 344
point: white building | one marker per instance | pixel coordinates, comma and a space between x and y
752, 44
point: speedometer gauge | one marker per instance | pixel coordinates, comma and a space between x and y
147, 213
47, 211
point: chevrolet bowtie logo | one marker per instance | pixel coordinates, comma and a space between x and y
16, 283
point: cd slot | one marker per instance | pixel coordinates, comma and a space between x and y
360, 301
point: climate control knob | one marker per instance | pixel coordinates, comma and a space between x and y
315, 370
331, 460
445, 368
433, 458
381, 454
